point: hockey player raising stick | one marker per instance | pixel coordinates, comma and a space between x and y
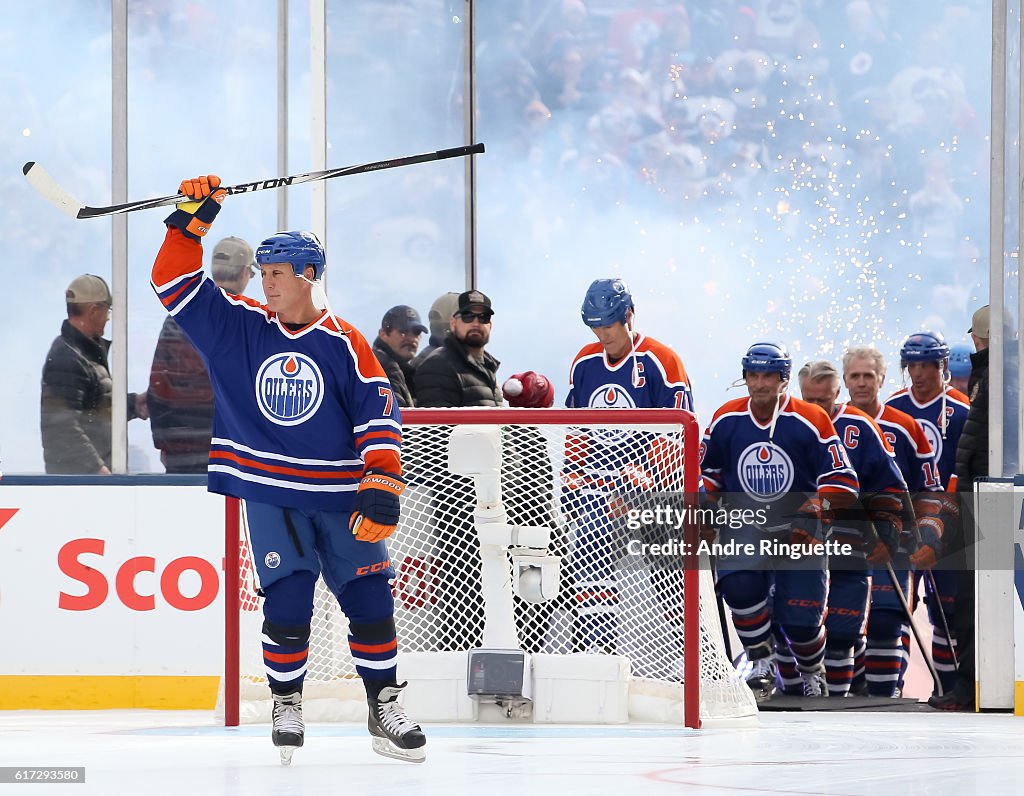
306, 431
777, 457
627, 370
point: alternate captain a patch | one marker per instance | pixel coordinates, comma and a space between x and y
289, 388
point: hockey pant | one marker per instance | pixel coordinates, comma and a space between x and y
291, 548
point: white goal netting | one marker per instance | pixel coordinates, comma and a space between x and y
578, 482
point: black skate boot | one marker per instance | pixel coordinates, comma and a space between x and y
289, 729
392, 733
764, 671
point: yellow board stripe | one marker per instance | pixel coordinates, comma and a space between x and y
1018, 698
77, 692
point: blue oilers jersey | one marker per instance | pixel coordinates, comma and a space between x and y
755, 467
870, 454
942, 419
652, 379
298, 415
912, 450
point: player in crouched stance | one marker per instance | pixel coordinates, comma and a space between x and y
306, 431
778, 454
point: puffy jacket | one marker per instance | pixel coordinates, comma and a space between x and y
972, 449
450, 377
399, 372
75, 404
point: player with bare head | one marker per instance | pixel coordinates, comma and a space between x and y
871, 528
885, 658
777, 461
307, 432
624, 369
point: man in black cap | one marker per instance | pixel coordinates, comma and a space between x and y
461, 372
395, 346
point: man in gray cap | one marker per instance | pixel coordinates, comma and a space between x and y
75, 401
180, 395
439, 318
395, 347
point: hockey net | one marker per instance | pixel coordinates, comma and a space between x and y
583, 474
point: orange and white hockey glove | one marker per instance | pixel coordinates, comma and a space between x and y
195, 217
377, 506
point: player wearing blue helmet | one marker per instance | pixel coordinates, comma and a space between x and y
941, 411
307, 432
960, 366
777, 462
607, 472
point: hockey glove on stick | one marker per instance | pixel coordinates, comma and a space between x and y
928, 552
195, 218
377, 506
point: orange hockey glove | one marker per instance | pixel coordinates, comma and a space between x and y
377, 506
194, 218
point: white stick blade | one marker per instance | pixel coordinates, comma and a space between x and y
48, 188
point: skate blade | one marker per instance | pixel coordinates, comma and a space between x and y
286, 754
385, 748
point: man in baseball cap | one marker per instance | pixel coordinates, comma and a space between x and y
75, 399
180, 393
396, 345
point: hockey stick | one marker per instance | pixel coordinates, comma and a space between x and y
873, 538
913, 628
48, 187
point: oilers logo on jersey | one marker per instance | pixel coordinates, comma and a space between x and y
289, 388
765, 471
933, 435
611, 396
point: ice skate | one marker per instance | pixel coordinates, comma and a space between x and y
814, 682
762, 678
392, 733
289, 730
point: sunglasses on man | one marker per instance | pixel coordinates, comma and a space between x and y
469, 317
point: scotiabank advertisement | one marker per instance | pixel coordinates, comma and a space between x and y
118, 581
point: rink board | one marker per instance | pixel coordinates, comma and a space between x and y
110, 596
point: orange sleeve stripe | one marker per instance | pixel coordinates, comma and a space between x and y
382, 434
335, 475
387, 460
177, 256
387, 646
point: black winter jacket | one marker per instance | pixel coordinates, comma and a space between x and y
450, 377
399, 372
972, 449
75, 404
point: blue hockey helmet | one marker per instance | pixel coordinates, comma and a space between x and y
299, 249
768, 358
607, 301
960, 360
924, 347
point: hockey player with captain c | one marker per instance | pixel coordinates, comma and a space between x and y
780, 455
609, 472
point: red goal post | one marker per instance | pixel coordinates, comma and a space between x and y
533, 450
